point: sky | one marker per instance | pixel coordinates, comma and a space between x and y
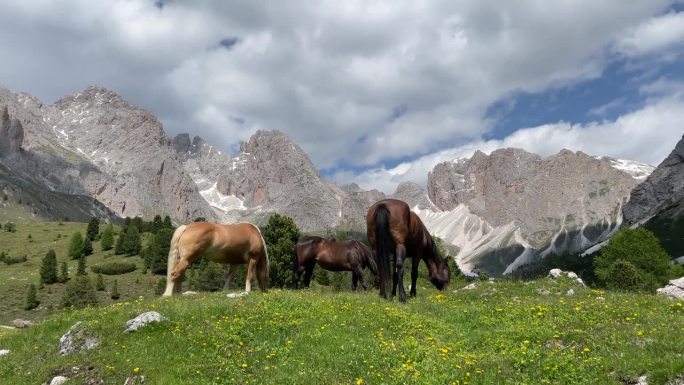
375, 92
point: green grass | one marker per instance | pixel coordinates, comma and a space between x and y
14, 279
501, 333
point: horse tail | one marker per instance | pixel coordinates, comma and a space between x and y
382, 246
263, 243
173, 259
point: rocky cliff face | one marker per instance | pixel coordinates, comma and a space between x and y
93, 143
659, 202
508, 208
663, 189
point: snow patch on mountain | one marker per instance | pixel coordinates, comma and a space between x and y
637, 170
221, 201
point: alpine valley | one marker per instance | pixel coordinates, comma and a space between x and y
94, 154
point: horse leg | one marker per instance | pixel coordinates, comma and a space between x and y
308, 272
414, 275
358, 273
174, 277
355, 280
229, 275
262, 272
401, 254
250, 274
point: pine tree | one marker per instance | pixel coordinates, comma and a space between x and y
157, 251
120, 241
48, 269
138, 222
280, 234
79, 293
87, 247
31, 300
93, 229
157, 224
167, 222
107, 237
76, 245
81, 269
115, 290
161, 286
99, 283
132, 242
64, 273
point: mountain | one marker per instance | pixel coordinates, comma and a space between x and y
658, 202
94, 143
512, 207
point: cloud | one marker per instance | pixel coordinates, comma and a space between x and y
647, 135
653, 35
354, 83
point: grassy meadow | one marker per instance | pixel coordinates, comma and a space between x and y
15, 278
501, 332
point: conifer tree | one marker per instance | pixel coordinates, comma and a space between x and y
157, 224
161, 286
132, 242
93, 229
76, 245
79, 293
63, 273
115, 290
99, 283
119, 248
107, 237
31, 299
81, 269
48, 269
87, 247
167, 222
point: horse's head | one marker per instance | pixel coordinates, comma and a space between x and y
438, 267
440, 274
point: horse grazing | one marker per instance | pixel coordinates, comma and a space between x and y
349, 255
393, 229
236, 244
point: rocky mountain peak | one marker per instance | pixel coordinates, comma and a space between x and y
662, 190
12, 133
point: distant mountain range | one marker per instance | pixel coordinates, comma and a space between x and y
92, 153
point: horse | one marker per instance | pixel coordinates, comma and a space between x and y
236, 244
393, 229
332, 255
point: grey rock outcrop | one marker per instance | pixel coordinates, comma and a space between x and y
662, 190
142, 320
513, 207
11, 132
272, 173
95, 144
674, 289
77, 339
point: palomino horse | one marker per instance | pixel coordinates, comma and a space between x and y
350, 255
393, 229
235, 244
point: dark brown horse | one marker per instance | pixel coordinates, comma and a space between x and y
393, 229
349, 255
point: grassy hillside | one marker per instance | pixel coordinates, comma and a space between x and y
56, 235
507, 332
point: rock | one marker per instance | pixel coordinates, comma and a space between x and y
511, 207
4, 352
470, 287
557, 273
599, 298
675, 289
22, 324
77, 339
237, 295
135, 380
570, 293
143, 320
189, 292
58, 380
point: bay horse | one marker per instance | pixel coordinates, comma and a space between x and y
331, 255
236, 244
394, 230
